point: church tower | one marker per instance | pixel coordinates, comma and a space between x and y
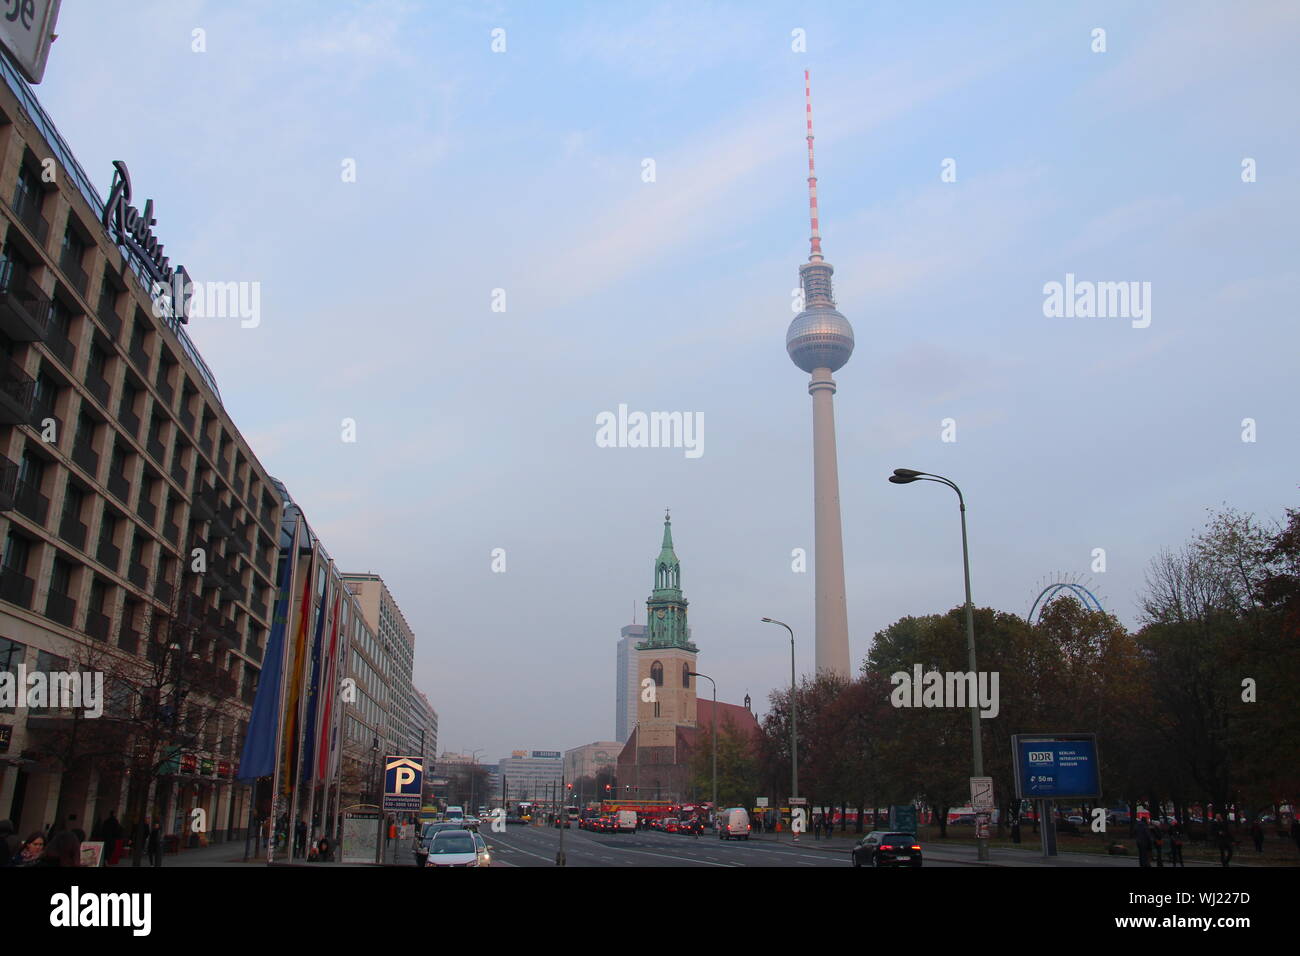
666, 659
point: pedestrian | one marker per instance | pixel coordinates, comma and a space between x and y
1257, 834
31, 851
1143, 843
155, 843
1224, 840
1176, 845
300, 838
1015, 830
323, 849
110, 832
1295, 831
1158, 844
63, 850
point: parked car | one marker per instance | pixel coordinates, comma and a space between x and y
459, 847
884, 848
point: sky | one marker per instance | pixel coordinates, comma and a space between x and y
967, 157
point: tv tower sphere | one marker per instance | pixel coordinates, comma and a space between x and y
819, 338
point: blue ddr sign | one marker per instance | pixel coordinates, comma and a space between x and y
403, 783
1056, 766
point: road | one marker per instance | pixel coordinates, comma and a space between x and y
537, 846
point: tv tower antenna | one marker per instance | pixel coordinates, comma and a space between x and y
815, 240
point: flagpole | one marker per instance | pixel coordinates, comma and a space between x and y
284, 676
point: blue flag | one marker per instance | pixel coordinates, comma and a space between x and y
258, 759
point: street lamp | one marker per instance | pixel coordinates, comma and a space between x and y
794, 735
715, 735
905, 476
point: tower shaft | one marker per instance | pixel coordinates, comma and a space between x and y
832, 616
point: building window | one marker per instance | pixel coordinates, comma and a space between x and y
657, 673
686, 675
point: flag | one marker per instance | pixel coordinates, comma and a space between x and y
258, 758
308, 765
299, 650
330, 691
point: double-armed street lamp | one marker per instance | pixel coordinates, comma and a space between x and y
794, 734
715, 735
905, 476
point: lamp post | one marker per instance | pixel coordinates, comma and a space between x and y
715, 735
905, 476
794, 735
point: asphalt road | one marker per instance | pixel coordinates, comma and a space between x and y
537, 846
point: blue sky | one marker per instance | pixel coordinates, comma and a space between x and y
521, 170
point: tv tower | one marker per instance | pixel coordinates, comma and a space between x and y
820, 341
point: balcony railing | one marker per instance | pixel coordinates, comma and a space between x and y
8, 483
58, 343
167, 393
119, 486
28, 209
98, 386
163, 590
73, 531
23, 306
172, 532
109, 555
139, 356
178, 470
263, 565
86, 457
97, 625
187, 420
16, 588
205, 445
157, 450
112, 321
76, 275
138, 575
204, 507
130, 421
28, 500
61, 608
15, 392
43, 411
147, 510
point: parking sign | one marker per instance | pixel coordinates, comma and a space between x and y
403, 783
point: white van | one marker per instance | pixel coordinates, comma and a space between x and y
733, 823
626, 821
455, 815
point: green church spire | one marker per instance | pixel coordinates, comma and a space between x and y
666, 607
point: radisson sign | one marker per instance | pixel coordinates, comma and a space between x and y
131, 228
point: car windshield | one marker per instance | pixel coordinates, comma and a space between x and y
460, 841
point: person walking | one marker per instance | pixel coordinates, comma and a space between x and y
154, 844
300, 838
1223, 837
1295, 831
110, 831
1176, 845
1257, 834
1158, 844
1144, 843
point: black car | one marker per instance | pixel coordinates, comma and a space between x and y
886, 848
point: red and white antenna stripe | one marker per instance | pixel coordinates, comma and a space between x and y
816, 237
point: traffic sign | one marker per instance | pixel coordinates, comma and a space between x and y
798, 801
981, 793
762, 801
403, 782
